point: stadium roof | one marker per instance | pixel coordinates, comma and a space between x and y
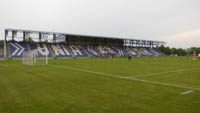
80, 35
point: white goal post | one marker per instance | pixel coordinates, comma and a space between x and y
27, 58
36, 56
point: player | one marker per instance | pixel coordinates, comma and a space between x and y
129, 57
199, 56
155, 56
176, 56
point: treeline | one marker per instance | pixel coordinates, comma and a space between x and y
178, 51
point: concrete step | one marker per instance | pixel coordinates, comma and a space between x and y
51, 50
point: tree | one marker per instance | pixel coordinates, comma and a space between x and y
161, 48
165, 50
168, 50
193, 49
173, 51
29, 40
45, 41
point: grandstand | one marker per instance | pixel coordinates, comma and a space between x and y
63, 45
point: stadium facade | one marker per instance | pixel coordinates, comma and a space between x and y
67, 45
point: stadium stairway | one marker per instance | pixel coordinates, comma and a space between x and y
86, 51
68, 49
51, 50
8, 49
91, 50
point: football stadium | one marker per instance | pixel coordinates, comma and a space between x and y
53, 72
99, 56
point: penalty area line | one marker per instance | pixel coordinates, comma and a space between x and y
128, 78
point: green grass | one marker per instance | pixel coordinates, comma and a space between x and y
51, 89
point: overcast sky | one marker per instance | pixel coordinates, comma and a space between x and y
175, 21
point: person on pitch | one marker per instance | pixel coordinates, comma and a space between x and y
199, 56
155, 56
176, 56
129, 57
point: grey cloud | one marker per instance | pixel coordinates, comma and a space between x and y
141, 19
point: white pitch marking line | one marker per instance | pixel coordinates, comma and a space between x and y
122, 77
164, 72
186, 92
83, 65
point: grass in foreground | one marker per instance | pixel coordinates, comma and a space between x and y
52, 89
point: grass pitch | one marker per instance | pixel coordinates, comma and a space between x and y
167, 85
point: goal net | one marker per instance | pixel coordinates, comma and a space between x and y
36, 56
27, 58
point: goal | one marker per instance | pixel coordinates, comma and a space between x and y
36, 56
27, 58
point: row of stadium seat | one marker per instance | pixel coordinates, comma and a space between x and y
62, 50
